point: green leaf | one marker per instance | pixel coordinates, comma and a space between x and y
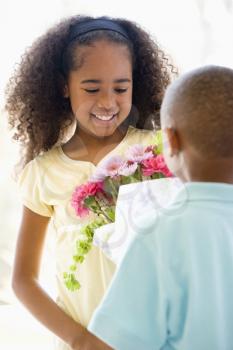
71, 282
111, 186
111, 213
78, 258
89, 201
158, 141
87, 231
157, 176
82, 247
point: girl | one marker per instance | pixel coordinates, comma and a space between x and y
107, 77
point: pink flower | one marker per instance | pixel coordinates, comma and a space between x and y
155, 165
108, 167
150, 149
81, 193
98, 175
128, 168
138, 153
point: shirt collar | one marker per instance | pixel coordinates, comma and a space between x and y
205, 191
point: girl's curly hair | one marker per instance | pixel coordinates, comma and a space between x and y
39, 113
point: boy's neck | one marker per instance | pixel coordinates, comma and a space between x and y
208, 170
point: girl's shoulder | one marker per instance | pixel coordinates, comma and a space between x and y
43, 160
34, 185
53, 165
44, 163
140, 136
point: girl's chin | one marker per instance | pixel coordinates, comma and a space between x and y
102, 128
103, 133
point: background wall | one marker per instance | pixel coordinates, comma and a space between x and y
193, 32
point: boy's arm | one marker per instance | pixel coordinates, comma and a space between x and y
133, 312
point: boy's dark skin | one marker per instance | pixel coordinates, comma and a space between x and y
183, 153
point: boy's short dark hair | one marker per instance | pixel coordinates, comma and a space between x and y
200, 103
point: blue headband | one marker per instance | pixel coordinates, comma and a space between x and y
96, 24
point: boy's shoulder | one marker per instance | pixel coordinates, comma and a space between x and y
196, 208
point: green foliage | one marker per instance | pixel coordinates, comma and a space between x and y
82, 249
157, 176
71, 282
103, 206
158, 141
111, 213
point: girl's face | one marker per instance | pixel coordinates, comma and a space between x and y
100, 91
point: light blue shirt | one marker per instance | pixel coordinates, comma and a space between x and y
174, 286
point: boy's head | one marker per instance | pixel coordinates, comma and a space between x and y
197, 120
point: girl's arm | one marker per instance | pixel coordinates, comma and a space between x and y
90, 342
27, 288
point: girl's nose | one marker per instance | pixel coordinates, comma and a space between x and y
106, 101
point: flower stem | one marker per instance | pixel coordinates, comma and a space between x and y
100, 211
114, 191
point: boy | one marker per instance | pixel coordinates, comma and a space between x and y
174, 286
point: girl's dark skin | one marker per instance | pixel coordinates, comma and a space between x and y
102, 86
100, 75
97, 138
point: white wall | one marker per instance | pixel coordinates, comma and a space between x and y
194, 32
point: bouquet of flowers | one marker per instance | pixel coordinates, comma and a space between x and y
99, 194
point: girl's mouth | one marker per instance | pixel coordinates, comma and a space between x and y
104, 118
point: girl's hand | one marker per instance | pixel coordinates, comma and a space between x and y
89, 342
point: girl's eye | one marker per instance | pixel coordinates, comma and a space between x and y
118, 91
121, 91
91, 91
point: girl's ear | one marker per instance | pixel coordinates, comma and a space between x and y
172, 141
63, 85
66, 91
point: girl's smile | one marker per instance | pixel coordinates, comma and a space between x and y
104, 120
99, 75
100, 89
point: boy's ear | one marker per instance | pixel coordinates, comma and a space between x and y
172, 141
